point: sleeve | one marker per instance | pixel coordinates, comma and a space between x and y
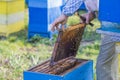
71, 7
92, 5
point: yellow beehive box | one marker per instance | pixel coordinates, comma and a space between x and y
11, 6
11, 16
14, 27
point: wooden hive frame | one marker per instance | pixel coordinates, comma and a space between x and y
67, 43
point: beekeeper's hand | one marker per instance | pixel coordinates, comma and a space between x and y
60, 20
92, 6
87, 17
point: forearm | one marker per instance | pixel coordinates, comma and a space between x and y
92, 6
71, 7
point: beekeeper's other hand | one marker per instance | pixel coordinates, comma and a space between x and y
60, 20
87, 17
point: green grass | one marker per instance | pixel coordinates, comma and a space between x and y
17, 54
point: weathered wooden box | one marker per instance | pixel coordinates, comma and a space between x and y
82, 71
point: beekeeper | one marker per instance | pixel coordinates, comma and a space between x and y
107, 65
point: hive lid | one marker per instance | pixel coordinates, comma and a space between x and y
67, 43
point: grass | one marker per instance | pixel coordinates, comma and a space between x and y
17, 54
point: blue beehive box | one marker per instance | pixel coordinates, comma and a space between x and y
83, 71
41, 14
109, 10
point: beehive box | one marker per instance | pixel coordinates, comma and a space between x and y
41, 14
109, 10
83, 70
11, 16
63, 65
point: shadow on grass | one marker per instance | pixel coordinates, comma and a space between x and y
20, 35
